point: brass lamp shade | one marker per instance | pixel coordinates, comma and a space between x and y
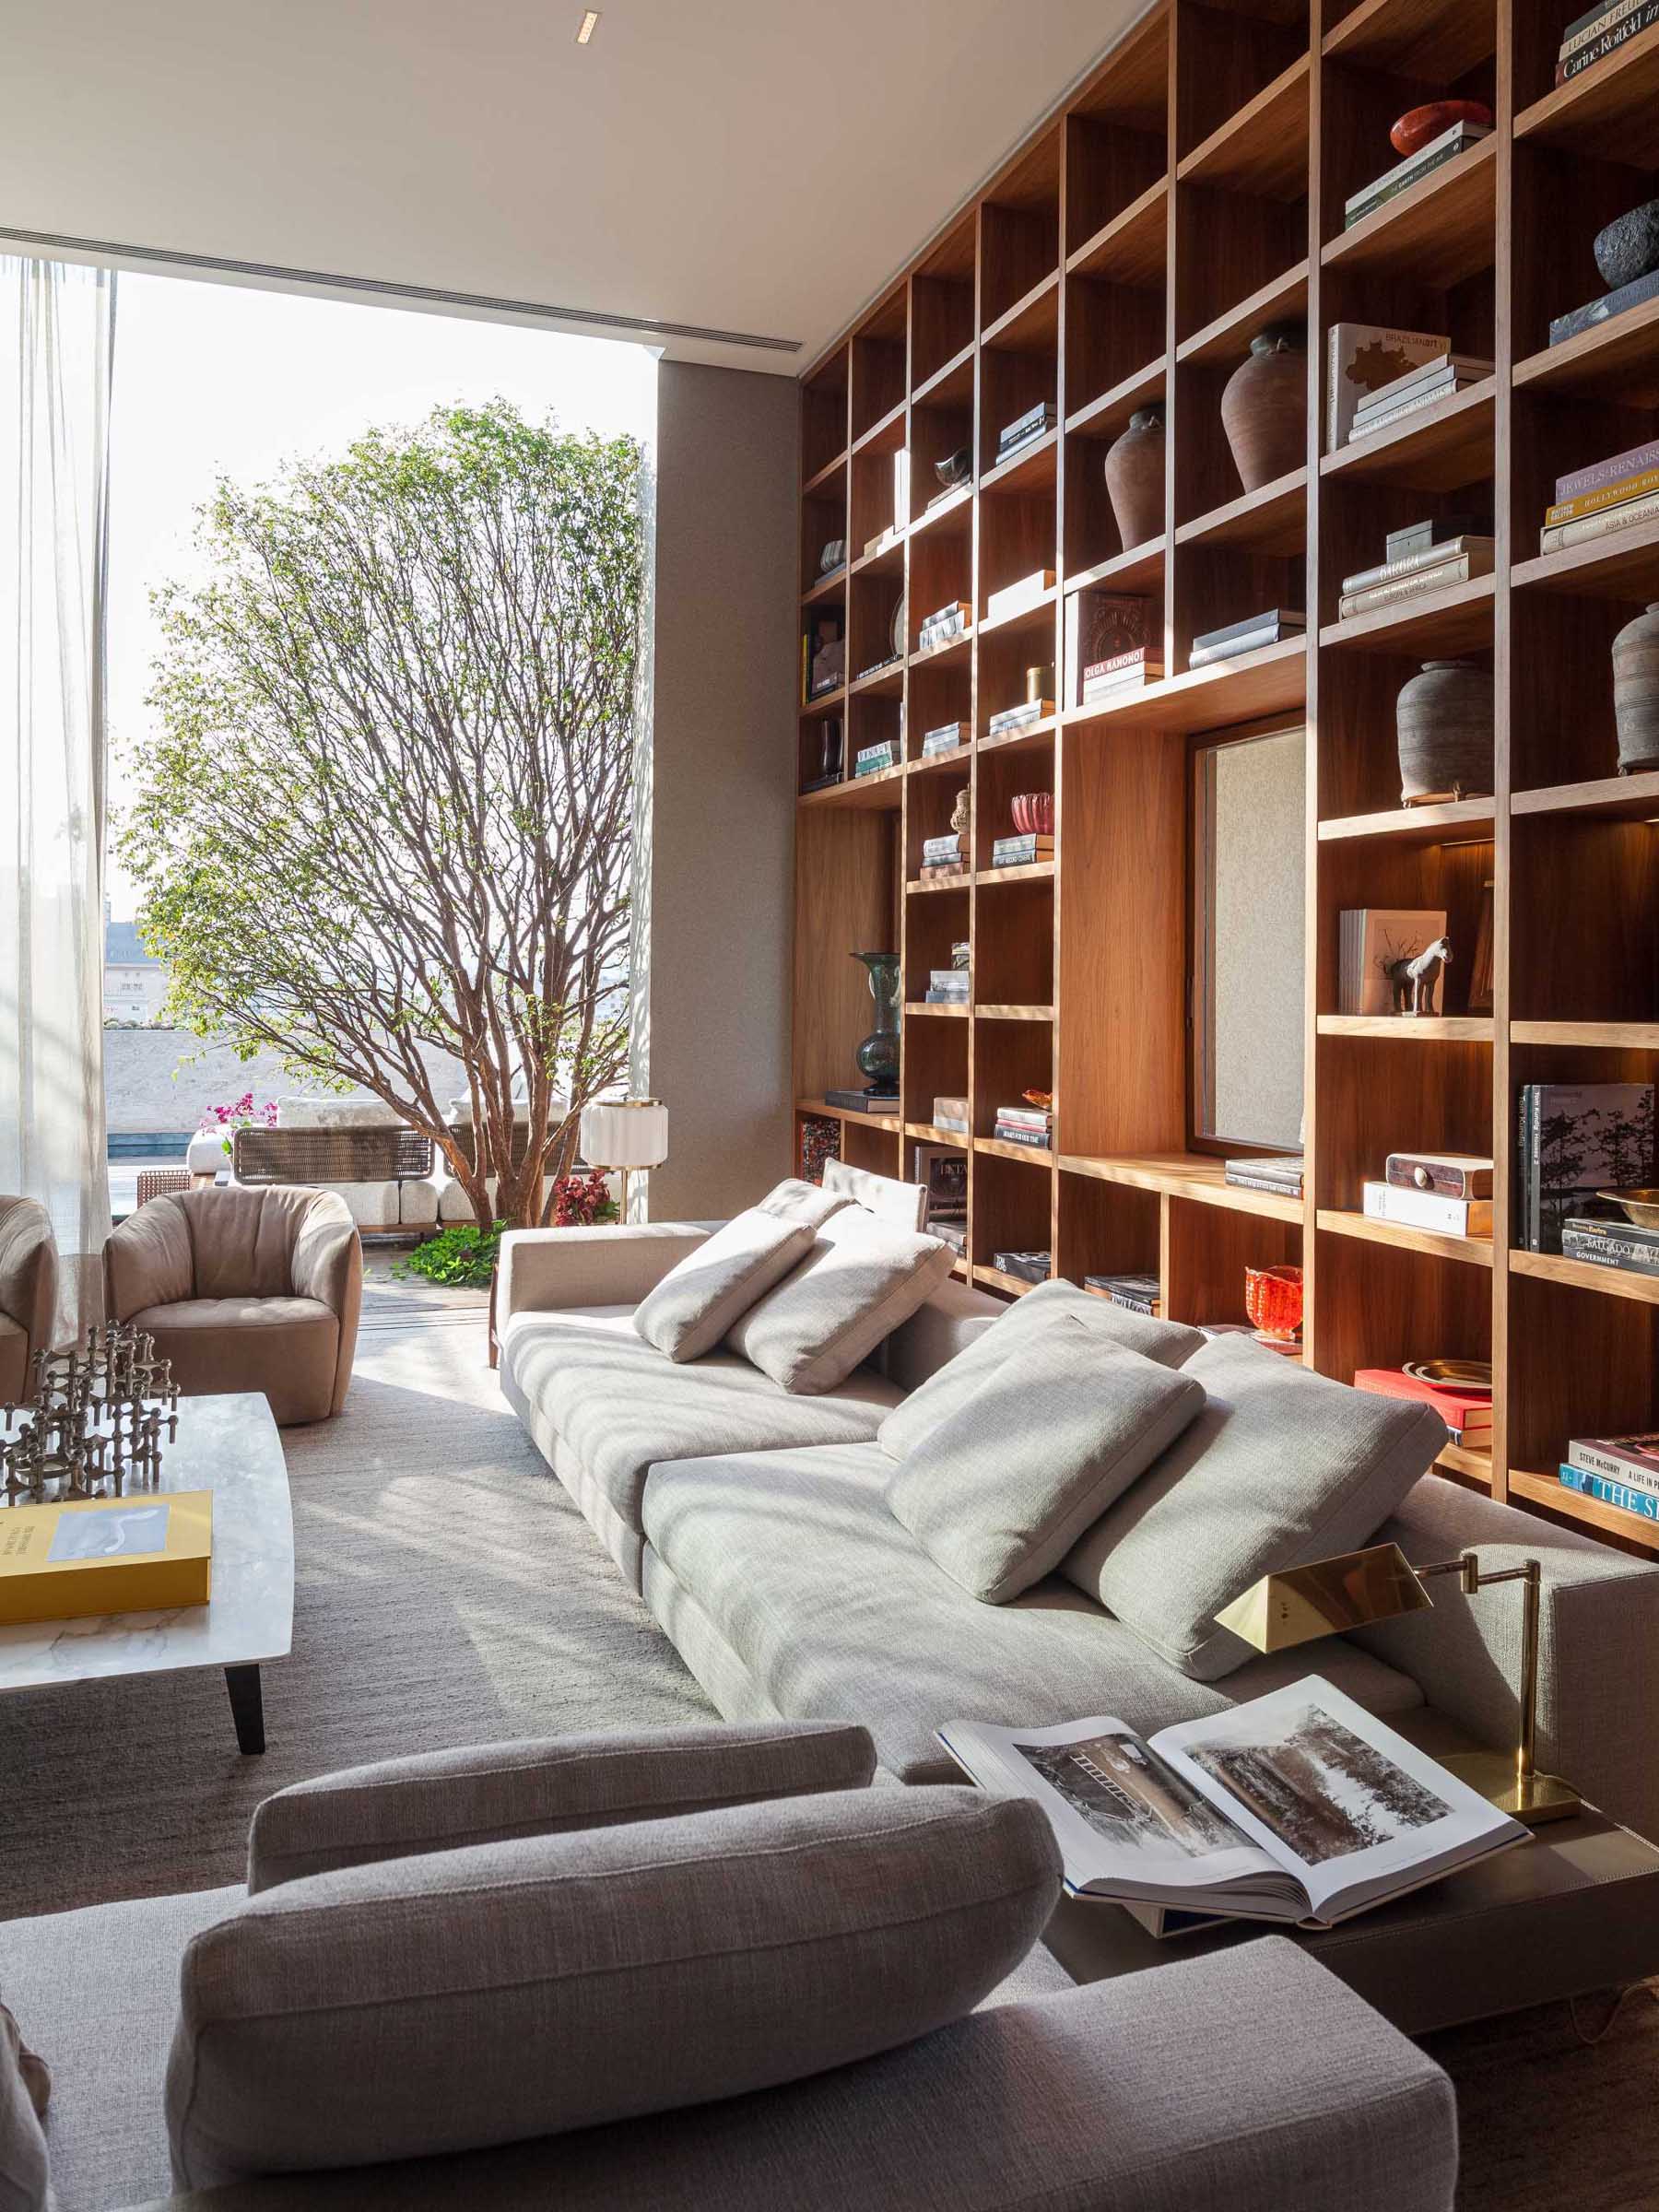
1325, 1598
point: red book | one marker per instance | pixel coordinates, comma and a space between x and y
1467, 1411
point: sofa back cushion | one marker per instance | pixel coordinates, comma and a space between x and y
861, 1278
1282, 1467
945, 1390
1000, 1490
702, 1295
902, 1204
792, 1200
491, 1995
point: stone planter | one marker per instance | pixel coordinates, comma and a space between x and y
1264, 407
1636, 692
1134, 477
1444, 723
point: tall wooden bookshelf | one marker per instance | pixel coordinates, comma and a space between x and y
1189, 194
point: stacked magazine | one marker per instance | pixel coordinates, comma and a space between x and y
1300, 1806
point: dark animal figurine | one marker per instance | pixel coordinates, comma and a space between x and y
1415, 980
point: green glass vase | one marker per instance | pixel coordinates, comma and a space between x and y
877, 1055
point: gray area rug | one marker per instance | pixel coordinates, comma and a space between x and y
448, 1593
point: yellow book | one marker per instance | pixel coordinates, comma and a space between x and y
145, 1553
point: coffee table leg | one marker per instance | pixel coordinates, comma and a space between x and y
247, 1708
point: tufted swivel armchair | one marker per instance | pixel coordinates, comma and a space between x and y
29, 1289
245, 1290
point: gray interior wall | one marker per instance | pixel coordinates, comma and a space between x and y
715, 808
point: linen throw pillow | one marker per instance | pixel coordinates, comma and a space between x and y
491, 1995
904, 1204
23, 2091
792, 1200
1165, 1341
1000, 1490
1281, 1467
859, 1281
702, 1295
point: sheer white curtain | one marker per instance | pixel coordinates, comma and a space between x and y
57, 328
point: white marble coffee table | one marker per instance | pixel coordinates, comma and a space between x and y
228, 1445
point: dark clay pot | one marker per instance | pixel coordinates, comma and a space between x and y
1443, 724
1636, 692
1628, 248
1134, 477
1264, 407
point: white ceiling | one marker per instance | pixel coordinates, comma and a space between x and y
753, 166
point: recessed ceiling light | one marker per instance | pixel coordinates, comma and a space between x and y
588, 25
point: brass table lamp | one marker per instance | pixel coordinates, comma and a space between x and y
1355, 1588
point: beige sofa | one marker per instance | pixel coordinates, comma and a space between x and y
29, 1290
245, 1289
755, 1524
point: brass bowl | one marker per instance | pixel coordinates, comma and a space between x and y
1465, 1374
1641, 1207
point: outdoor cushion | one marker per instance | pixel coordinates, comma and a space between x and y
22, 2145
585, 1379
904, 1204
443, 1800
1282, 1467
788, 1588
792, 1200
944, 1392
999, 1491
288, 1347
702, 1295
861, 1278
488, 1995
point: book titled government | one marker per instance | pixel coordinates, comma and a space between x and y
1298, 1806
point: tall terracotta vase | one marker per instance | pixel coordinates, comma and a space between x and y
1264, 407
1444, 722
1636, 692
1134, 477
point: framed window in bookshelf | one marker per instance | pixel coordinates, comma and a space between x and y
1248, 932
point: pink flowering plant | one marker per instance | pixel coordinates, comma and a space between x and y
240, 1113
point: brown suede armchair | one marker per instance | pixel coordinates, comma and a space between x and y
245, 1290
29, 1290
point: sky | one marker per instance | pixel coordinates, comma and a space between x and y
217, 379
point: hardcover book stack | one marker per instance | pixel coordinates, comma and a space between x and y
945, 854
1028, 1266
1036, 422
1447, 1192
1108, 642
1574, 1141
1021, 717
1429, 557
1610, 1241
1271, 628
943, 1173
1602, 30
1022, 849
1609, 495
1620, 1471
1136, 1293
947, 986
1281, 1174
1424, 386
870, 759
945, 738
1464, 133
1360, 358
1030, 1126
1465, 1407
943, 624
951, 1114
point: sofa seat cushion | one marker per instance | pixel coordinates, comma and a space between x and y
13, 1360
96, 1993
834, 1611
618, 1404
288, 1347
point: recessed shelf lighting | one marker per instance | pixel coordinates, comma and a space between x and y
587, 27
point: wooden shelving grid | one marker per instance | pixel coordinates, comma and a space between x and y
1190, 192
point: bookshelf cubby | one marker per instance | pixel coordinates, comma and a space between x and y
1190, 192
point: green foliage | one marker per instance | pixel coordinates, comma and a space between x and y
386, 804
462, 1257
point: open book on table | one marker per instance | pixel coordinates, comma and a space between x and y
1298, 1806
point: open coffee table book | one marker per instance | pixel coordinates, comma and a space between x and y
1298, 1806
